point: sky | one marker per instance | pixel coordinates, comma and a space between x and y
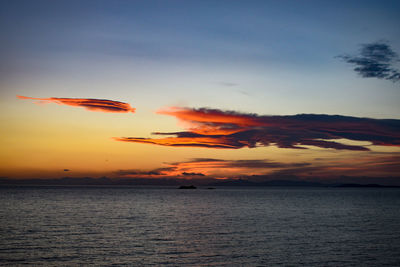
251, 90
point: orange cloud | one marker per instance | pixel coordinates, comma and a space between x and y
215, 168
102, 105
214, 128
365, 165
195, 141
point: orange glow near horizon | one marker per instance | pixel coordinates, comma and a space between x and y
39, 144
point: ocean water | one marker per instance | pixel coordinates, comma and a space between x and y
106, 226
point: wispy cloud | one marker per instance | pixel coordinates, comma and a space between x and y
215, 128
228, 84
375, 60
103, 105
362, 165
208, 167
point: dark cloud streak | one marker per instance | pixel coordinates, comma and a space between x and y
375, 60
103, 105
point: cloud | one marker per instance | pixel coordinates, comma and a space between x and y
228, 84
375, 60
362, 165
215, 128
368, 165
192, 174
155, 172
207, 167
102, 105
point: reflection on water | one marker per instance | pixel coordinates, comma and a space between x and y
226, 226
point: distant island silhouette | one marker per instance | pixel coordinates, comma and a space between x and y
187, 187
180, 183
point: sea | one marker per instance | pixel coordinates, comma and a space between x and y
226, 226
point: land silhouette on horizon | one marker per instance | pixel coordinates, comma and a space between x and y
105, 181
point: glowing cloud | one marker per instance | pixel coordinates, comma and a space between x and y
370, 164
217, 168
214, 128
102, 105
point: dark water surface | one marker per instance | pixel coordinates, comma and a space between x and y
72, 226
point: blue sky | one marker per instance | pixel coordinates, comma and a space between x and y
263, 49
282, 36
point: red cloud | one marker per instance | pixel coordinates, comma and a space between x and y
214, 128
364, 165
102, 105
217, 168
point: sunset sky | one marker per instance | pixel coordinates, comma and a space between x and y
200, 89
